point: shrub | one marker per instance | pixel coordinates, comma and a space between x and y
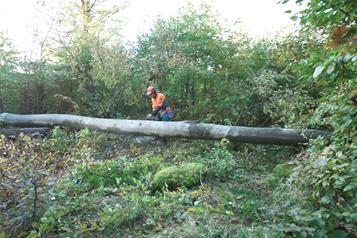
221, 161
328, 176
115, 172
188, 175
280, 171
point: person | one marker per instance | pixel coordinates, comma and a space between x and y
161, 110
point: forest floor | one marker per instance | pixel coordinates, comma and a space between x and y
88, 184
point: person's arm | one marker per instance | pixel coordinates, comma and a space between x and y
156, 111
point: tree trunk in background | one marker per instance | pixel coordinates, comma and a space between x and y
25, 106
1, 105
187, 89
1, 101
193, 91
40, 98
181, 129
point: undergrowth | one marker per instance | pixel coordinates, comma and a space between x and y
244, 191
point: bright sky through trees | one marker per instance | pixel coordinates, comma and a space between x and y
19, 18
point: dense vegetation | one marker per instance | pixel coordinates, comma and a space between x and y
89, 184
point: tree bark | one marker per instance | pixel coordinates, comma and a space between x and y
180, 129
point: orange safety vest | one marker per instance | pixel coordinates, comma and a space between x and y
157, 101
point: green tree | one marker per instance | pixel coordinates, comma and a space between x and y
188, 57
329, 174
8, 84
88, 42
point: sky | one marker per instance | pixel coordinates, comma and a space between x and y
258, 18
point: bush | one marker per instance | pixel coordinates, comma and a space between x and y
220, 161
115, 172
280, 171
188, 175
330, 171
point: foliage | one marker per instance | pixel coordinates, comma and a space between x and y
24, 176
220, 161
29, 168
117, 172
8, 61
188, 175
87, 183
185, 56
326, 14
114, 196
329, 171
190, 57
281, 171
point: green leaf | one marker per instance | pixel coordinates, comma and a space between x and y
325, 200
347, 57
149, 221
318, 71
331, 68
294, 18
350, 187
339, 234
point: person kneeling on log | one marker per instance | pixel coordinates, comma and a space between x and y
161, 110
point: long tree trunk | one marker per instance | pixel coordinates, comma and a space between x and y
183, 129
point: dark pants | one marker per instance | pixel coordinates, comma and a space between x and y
163, 117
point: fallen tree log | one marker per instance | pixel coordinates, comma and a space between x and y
27, 131
180, 129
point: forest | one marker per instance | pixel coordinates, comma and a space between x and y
69, 182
